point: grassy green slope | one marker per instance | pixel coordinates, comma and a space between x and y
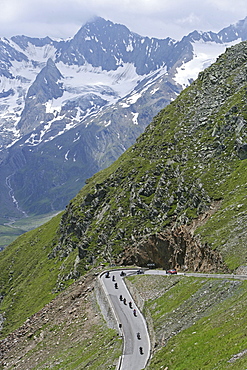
9, 232
28, 277
198, 323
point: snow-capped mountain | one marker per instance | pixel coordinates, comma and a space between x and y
101, 64
70, 107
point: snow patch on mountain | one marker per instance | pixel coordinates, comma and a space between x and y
110, 85
205, 53
81, 86
107, 123
134, 119
133, 98
42, 54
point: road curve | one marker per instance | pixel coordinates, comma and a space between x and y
132, 358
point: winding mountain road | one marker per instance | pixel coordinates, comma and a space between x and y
132, 358
130, 324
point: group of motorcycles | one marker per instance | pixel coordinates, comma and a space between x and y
135, 314
107, 275
130, 304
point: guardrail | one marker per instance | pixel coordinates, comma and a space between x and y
216, 276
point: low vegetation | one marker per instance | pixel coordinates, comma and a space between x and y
198, 323
28, 280
68, 333
9, 232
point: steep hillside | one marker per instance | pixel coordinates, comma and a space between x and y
195, 323
190, 164
177, 198
67, 333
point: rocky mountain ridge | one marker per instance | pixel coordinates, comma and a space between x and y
71, 107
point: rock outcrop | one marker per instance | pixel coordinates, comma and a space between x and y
175, 248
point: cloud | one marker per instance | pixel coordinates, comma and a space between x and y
156, 18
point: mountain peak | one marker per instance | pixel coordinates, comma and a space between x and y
103, 30
237, 31
47, 86
99, 23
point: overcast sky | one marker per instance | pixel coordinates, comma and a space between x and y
154, 18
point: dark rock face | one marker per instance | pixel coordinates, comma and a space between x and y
175, 248
105, 44
242, 151
47, 86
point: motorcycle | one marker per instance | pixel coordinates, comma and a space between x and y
121, 297
138, 336
122, 273
141, 350
116, 286
134, 312
130, 304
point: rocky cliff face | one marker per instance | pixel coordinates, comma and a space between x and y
175, 249
47, 86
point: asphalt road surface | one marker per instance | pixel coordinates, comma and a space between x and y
132, 358
199, 274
